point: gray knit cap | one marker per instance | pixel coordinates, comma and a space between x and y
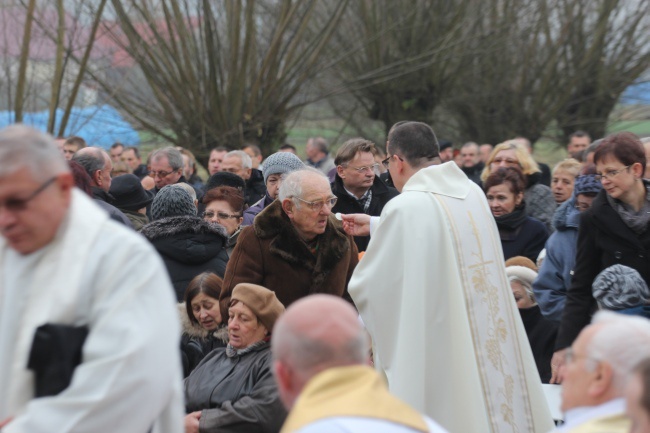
280, 163
619, 287
171, 201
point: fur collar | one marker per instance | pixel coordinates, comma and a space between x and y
172, 226
196, 330
272, 223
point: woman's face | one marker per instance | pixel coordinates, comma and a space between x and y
618, 180
243, 327
522, 298
502, 200
562, 186
504, 158
206, 311
220, 212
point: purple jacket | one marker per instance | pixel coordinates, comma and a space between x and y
251, 212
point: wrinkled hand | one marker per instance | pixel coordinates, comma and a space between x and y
192, 422
557, 362
356, 224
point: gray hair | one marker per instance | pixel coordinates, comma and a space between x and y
470, 144
23, 146
172, 154
292, 184
91, 160
319, 143
525, 284
246, 161
623, 342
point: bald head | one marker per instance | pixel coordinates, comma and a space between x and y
315, 333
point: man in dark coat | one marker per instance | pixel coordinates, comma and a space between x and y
98, 165
239, 163
295, 246
357, 187
472, 165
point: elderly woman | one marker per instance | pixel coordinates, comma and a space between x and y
616, 230
232, 389
520, 234
203, 328
224, 205
540, 331
541, 204
563, 179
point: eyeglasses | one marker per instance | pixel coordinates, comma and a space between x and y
582, 206
316, 206
611, 174
386, 162
365, 168
219, 215
570, 356
161, 173
18, 205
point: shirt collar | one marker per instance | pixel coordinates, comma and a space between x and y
579, 415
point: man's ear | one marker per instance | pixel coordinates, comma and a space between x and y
340, 170
282, 375
97, 177
288, 206
603, 380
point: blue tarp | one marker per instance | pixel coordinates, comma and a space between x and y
637, 94
98, 125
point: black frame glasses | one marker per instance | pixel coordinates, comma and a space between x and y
611, 174
17, 205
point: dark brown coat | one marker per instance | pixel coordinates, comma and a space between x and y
272, 254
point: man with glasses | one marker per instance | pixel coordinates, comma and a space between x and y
295, 246
357, 186
167, 169
595, 372
66, 265
433, 294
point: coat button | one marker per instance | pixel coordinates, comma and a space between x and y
641, 255
618, 255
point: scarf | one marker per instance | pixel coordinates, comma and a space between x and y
636, 221
231, 352
512, 220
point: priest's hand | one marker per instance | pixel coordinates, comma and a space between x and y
356, 224
192, 422
557, 362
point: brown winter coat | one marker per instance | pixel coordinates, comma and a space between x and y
272, 254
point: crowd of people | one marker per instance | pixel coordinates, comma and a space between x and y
401, 287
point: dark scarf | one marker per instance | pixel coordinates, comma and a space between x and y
513, 220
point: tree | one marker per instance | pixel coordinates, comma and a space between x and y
218, 73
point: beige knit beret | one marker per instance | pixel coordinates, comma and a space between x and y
262, 302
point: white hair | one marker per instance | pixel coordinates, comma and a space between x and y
23, 146
246, 161
525, 284
623, 341
292, 184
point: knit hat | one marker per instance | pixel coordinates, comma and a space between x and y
262, 302
280, 163
225, 178
619, 287
172, 201
129, 193
521, 261
522, 273
586, 183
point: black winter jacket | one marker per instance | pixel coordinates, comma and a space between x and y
188, 245
381, 194
603, 240
237, 394
255, 188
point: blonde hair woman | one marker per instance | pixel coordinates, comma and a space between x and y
563, 179
539, 198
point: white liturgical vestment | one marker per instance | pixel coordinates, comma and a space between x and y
433, 294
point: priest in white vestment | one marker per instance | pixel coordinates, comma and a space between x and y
432, 291
64, 263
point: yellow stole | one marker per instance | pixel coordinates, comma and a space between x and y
356, 391
611, 424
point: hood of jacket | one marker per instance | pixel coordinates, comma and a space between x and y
273, 223
187, 239
567, 216
195, 330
